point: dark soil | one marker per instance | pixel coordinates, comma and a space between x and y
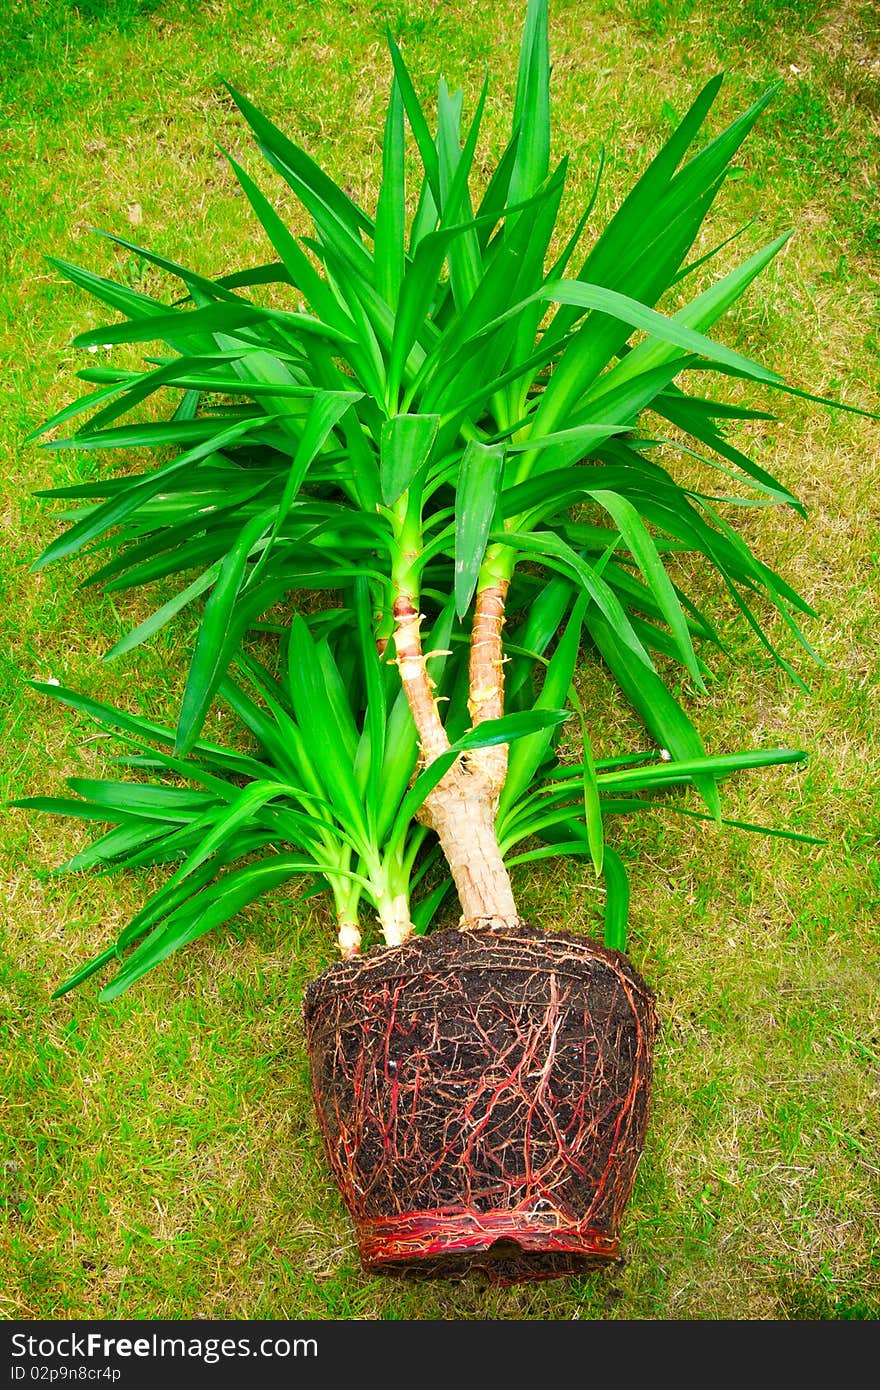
483, 1098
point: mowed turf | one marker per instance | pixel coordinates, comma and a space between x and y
160, 1154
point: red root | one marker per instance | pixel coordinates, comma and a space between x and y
483, 1099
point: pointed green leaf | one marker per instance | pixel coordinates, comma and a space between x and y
391, 211
476, 497
616, 901
407, 441
139, 491
671, 331
531, 112
216, 642
659, 711
294, 164
644, 552
416, 117
316, 291
208, 909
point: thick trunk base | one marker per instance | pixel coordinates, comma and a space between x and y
483, 1099
461, 811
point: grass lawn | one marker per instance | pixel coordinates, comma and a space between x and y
160, 1155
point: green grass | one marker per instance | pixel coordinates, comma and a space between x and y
161, 1154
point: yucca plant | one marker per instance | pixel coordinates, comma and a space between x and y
440, 419
438, 414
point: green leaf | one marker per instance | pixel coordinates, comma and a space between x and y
121, 297
328, 730
556, 554
719, 765
424, 912
700, 314
144, 798
216, 640
210, 289
692, 416
398, 763
115, 847
642, 248
455, 168
418, 124
540, 625
302, 273
208, 909
139, 491
157, 620
569, 445
670, 331
528, 755
659, 711
135, 728
177, 327
69, 806
592, 803
774, 831
406, 443
531, 111
300, 169
497, 195
391, 212
79, 407
274, 273
636, 222
644, 552
486, 735
85, 972
616, 900
476, 498
325, 412
244, 808
417, 293
376, 718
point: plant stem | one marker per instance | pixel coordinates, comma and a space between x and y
486, 693
348, 935
395, 920
486, 699
417, 684
461, 809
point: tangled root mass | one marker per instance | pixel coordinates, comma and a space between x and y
483, 1099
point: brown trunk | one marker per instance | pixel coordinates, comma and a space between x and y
417, 684
486, 665
486, 697
461, 809
462, 812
